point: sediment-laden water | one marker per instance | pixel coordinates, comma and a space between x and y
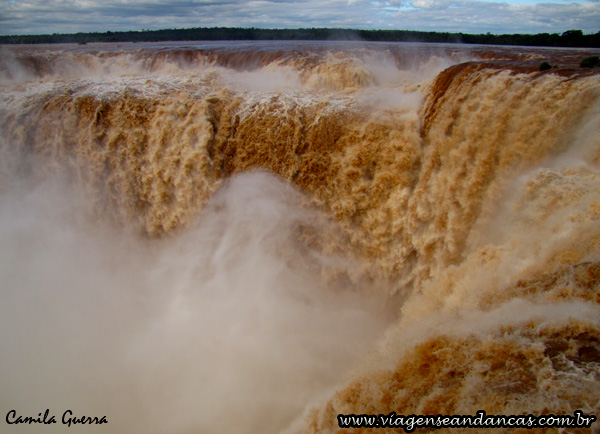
255, 237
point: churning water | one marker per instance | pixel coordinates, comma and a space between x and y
256, 237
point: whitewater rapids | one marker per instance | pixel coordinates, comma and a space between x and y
255, 237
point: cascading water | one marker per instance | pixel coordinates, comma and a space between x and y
257, 237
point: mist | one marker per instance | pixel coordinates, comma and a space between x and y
228, 326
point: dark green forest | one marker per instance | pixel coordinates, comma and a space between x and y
570, 38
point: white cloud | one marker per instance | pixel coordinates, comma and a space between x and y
424, 4
467, 16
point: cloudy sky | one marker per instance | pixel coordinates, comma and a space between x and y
19, 17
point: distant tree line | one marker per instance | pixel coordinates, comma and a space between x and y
570, 38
